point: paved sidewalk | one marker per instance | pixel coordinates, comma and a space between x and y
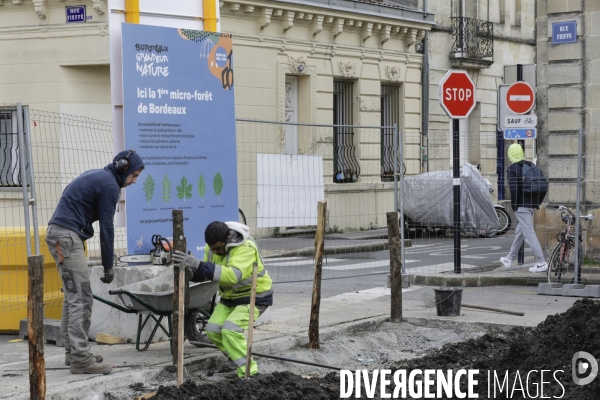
289, 329
290, 320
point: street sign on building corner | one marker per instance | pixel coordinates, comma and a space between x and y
75, 14
564, 32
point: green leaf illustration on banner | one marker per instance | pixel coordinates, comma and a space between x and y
149, 186
166, 189
184, 190
201, 187
218, 184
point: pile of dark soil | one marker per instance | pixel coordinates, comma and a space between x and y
275, 386
550, 346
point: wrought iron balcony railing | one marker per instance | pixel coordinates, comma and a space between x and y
473, 38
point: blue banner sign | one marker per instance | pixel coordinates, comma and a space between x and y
520, 133
179, 115
564, 32
75, 14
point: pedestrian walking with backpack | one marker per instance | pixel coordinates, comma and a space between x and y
528, 187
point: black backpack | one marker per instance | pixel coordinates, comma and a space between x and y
535, 184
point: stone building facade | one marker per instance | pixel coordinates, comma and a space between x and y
309, 49
513, 42
568, 100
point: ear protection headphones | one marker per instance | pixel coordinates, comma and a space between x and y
122, 164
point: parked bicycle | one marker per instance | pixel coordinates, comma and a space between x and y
561, 268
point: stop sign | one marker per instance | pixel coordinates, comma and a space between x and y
457, 94
520, 97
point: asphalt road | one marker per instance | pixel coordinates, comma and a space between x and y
424, 253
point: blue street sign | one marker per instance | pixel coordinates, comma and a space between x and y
520, 133
564, 32
75, 14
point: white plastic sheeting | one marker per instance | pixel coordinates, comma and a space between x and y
428, 201
288, 189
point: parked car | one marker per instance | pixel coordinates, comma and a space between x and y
428, 204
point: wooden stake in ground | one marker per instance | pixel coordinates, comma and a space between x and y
395, 266
179, 243
180, 329
251, 320
313, 328
35, 328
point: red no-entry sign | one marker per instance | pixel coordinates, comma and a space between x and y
520, 97
457, 94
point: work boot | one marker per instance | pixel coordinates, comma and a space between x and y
93, 368
98, 358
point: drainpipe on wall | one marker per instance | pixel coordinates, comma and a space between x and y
425, 101
209, 8
132, 11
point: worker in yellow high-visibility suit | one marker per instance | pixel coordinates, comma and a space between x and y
229, 256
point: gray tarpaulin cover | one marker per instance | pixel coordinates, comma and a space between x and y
428, 200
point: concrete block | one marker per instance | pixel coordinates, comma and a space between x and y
563, 145
592, 45
564, 6
405, 281
595, 24
470, 282
592, 96
51, 331
564, 121
592, 5
562, 192
562, 168
549, 289
591, 191
594, 120
570, 51
569, 290
565, 97
564, 74
370, 87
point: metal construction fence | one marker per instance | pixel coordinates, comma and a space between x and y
46, 150
284, 169
568, 159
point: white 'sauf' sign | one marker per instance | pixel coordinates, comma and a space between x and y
520, 121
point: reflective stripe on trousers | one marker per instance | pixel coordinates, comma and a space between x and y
230, 338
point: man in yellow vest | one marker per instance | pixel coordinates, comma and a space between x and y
229, 256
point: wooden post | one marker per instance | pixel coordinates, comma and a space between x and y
179, 243
313, 328
35, 328
395, 266
180, 328
251, 320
